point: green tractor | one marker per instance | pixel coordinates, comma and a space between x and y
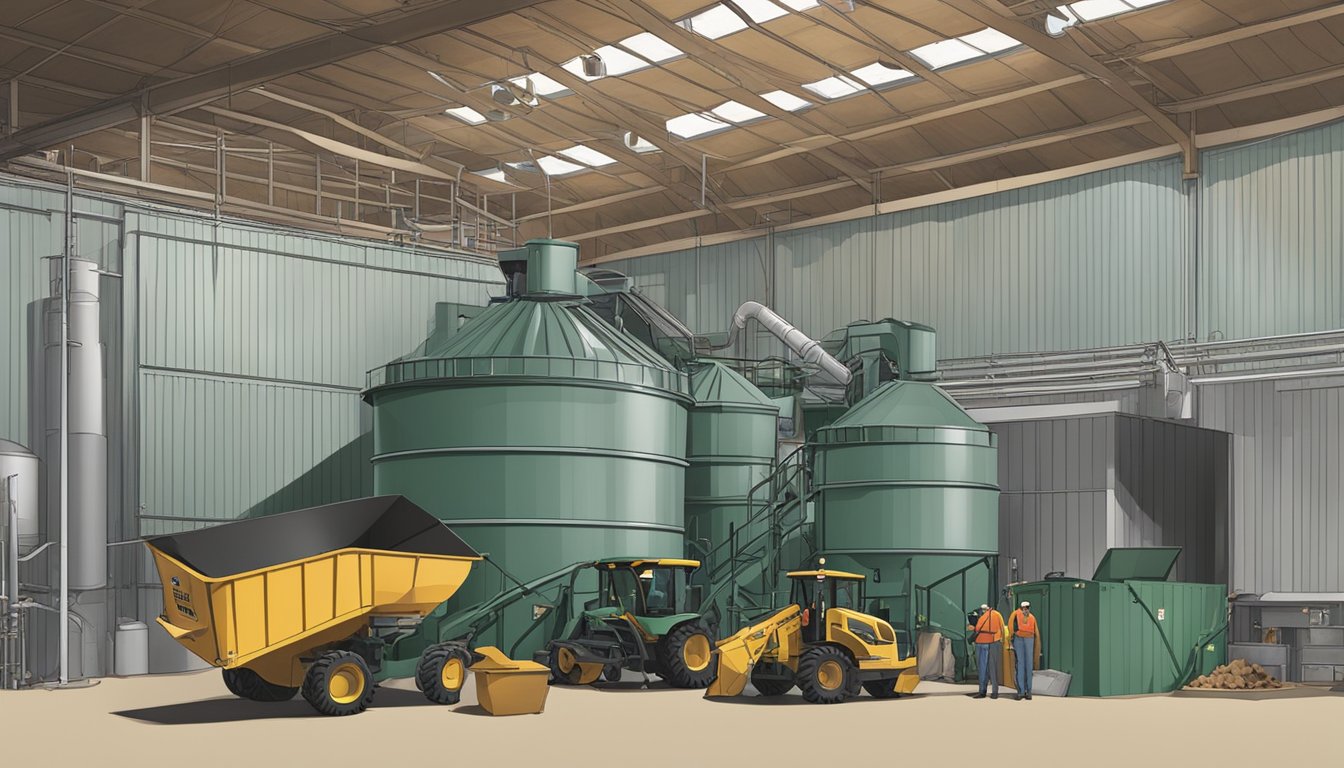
645, 618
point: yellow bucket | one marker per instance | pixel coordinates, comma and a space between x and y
506, 686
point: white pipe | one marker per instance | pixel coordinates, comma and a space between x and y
64, 678
802, 345
1298, 373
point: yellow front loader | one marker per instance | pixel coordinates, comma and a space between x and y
821, 644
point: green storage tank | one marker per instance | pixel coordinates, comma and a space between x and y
540, 433
908, 494
1128, 630
731, 448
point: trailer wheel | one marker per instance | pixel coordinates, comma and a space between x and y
246, 684
612, 673
826, 675
770, 686
686, 657
442, 672
882, 689
339, 683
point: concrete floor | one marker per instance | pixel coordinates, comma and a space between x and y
191, 719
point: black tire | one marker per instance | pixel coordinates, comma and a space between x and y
246, 684
770, 686
882, 689
558, 675
612, 673
686, 657
826, 675
442, 672
339, 683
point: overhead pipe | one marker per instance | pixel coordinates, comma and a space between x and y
801, 344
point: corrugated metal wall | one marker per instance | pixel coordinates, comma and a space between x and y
1288, 457
1271, 235
1095, 260
1073, 487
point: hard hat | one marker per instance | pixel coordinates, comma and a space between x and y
1026, 604
984, 606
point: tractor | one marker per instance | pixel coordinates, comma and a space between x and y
645, 618
821, 643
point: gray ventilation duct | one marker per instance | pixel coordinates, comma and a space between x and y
801, 344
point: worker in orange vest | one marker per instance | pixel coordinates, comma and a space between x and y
989, 632
1026, 634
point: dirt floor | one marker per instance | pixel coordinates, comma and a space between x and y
191, 718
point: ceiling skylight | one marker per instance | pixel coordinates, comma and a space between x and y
836, 87
694, 124
541, 84
1091, 10
639, 143
554, 166
493, 174
466, 115
734, 112
587, 156
879, 74
785, 100
632, 54
720, 20
943, 53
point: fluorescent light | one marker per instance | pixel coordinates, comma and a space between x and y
718, 21
734, 112
493, 174
945, 53
989, 40
541, 84
877, 74
466, 115
554, 166
694, 124
587, 156
1089, 10
834, 87
785, 100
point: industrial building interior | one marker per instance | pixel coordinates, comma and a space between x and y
649, 363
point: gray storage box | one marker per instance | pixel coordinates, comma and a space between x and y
1321, 673
1324, 636
1050, 682
1323, 654
1265, 654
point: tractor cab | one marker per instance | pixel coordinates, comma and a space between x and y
648, 588
820, 590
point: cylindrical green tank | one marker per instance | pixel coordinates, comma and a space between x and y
541, 434
908, 495
731, 448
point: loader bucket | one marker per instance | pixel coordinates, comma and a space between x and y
263, 591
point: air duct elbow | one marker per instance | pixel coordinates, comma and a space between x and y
801, 344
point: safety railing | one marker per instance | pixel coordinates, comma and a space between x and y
429, 369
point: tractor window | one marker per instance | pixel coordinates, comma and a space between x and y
662, 593
624, 590
846, 594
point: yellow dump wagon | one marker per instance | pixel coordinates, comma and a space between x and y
294, 602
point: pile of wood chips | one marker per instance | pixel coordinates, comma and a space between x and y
1238, 675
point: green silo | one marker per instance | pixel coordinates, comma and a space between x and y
908, 494
540, 433
731, 448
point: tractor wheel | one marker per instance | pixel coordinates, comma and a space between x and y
339, 683
442, 672
612, 673
564, 665
770, 686
826, 675
882, 689
686, 657
246, 684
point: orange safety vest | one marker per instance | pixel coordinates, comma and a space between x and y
989, 627
1025, 625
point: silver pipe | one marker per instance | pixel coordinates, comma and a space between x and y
802, 345
64, 631
1061, 389
1292, 373
11, 585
